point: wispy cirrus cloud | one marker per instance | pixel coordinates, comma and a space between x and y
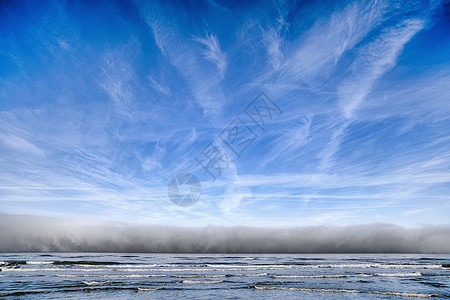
373, 61
172, 42
99, 110
213, 52
321, 47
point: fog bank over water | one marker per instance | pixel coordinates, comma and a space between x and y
24, 233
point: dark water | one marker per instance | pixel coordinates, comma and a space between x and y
199, 276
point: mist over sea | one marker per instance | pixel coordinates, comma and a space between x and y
27, 233
223, 276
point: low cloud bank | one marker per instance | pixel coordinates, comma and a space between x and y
20, 233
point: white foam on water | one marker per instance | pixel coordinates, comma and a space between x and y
117, 266
311, 276
29, 269
251, 266
96, 282
128, 270
253, 275
199, 269
349, 275
338, 266
398, 274
148, 289
202, 281
366, 266
401, 294
113, 276
200, 276
39, 262
133, 276
86, 270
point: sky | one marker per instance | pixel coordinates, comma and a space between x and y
283, 113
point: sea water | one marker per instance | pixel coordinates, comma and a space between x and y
223, 276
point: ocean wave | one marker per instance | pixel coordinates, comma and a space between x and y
400, 294
148, 289
318, 266
96, 282
51, 270
84, 262
196, 269
23, 293
112, 276
202, 281
226, 257
311, 276
204, 269
398, 274
250, 266
369, 266
201, 276
411, 274
39, 262
9, 269
121, 266
433, 284
64, 290
29, 269
137, 266
11, 263
253, 274
61, 262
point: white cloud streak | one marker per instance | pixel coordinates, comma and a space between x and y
213, 52
373, 61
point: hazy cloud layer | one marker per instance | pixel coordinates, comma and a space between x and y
20, 233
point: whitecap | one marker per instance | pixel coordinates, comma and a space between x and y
379, 266
400, 294
202, 281
349, 275
251, 266
96, 282
311, 276
200, 276
253, 275
398, 274
148, 289
39, 262
114, 276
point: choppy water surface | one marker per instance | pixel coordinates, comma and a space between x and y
200, 276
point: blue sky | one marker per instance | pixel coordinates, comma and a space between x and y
103, 102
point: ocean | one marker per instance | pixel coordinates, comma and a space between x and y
223, 276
